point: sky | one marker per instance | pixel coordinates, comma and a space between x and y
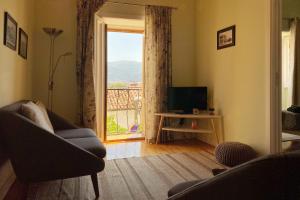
124, 46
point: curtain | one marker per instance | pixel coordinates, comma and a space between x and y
157, 65
86, 10
295, 60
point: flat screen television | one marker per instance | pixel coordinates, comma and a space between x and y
185, 99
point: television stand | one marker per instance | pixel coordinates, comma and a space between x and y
210, 118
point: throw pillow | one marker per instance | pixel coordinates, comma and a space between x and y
38, 114
44, 110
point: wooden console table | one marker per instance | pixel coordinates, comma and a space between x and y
211, 118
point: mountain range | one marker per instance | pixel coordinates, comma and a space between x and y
124, 71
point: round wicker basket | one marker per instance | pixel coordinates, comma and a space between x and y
234, 153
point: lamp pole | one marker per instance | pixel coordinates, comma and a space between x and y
53, 34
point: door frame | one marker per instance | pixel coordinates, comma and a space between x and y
100, 69
101, 77
275, 78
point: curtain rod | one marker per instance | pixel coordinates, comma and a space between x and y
135, 4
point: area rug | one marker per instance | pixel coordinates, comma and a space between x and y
131, 178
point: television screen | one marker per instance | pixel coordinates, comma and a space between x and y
185, 99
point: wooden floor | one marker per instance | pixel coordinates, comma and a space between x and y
117, 150
140, 148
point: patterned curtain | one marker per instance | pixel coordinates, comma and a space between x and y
158, 65
295, 61
86, 10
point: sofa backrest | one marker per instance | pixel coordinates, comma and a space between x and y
270, 177
15, 107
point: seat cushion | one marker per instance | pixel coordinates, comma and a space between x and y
91, 144
181, 187
76, 133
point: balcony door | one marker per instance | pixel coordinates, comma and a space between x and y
124, 85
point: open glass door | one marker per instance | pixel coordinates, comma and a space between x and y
100, 75
124, 84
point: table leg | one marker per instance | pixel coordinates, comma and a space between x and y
214, 130
161, 123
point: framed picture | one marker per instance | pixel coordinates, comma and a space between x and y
23, 43
226, 37
10, 31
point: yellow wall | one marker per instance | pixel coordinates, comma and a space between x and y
59, 14
237, 77
290, 9
62, 14
15, 72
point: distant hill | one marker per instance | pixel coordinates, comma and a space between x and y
124, 71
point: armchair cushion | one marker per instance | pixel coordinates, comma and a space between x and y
90, 144
84, 138
76, 133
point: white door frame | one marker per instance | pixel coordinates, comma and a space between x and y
100, 76
275, 69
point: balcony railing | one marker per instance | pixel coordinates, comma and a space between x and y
124, 107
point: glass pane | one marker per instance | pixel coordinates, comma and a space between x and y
286, 72
124, 85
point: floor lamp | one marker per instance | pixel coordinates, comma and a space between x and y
53, 34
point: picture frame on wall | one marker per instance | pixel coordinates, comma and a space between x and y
226, 37
10, 32
23, 43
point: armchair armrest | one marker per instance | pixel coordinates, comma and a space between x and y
258, 179
38, 155
60, 123
290, 121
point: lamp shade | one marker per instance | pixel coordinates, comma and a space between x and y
53, 31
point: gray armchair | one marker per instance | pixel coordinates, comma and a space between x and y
37, 155
275, 177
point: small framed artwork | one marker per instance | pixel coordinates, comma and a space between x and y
226, 37
23, 43
10, 32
